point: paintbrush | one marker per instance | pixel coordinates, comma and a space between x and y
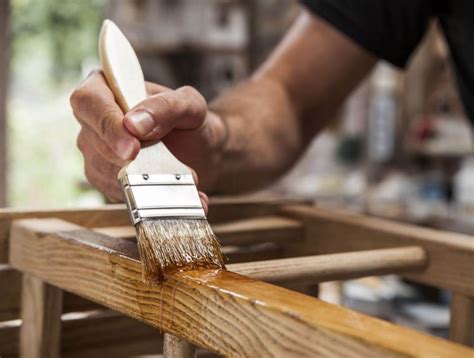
159, 190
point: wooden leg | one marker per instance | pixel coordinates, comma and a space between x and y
461, 329
41, 307
175, 347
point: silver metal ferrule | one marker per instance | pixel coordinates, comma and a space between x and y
151, 196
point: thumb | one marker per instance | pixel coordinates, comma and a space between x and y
153, 118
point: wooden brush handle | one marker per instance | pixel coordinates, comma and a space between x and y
125, 78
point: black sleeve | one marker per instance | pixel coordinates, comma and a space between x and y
390, 29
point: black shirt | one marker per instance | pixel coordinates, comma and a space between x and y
392, 29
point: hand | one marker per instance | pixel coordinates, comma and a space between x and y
108, 138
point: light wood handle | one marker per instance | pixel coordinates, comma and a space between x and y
121, 67
125, 78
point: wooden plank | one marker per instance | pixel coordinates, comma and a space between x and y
218, 310
10, 283
311, 269
461, 328
116, 215
98, 333
4, 60
238, 232
41, 306
344, 266
451, 255
108, 215
175, 347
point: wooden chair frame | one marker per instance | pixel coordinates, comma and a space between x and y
69, 258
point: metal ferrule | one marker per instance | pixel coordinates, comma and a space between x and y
151, 196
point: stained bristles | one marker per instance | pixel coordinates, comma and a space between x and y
167, 245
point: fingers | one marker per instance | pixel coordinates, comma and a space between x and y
87, 137
94, 104
153, 118
101, 173
204, 201
154, 88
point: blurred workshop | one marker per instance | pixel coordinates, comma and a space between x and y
399, 150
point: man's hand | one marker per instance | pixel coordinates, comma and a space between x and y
109, 138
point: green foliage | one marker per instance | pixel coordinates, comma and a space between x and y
51, 40
64, 30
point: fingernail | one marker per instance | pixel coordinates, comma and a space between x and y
124, 148
142, 121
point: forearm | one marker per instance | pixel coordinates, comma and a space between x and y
263, 137
273, 116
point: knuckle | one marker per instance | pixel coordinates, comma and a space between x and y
79, 98
196, 105
168, 104
80, 141
107, 121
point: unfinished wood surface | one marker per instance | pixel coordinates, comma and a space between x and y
222, 311
98, 333
451, 255
344, 266
461, 328
175, 347
237, 232
220, 209
10, 297
41, 306
4, 60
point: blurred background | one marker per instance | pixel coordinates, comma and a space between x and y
400, 148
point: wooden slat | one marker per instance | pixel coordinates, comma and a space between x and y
10, 288
92, 334
344, 266
461, 328
238, 232
311, 269
175, 347
451, 255
4, 60
116, 215
41, 305
109, 215
219, 310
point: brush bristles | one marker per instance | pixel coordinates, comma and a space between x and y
167, 245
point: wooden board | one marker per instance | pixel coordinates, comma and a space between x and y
116, 215
4, 60
41, 306
461, 328
10, 287
450, 255
92, 334
219, 310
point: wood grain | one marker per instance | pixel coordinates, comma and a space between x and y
98, 333
300, 270
461, 328
41, 305
221, 311
4, 61
451, 255
10, 297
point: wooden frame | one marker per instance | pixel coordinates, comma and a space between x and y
4, 60
236, 315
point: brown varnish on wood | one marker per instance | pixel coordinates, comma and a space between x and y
170, 245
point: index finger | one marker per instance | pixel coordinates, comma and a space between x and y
94, 104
